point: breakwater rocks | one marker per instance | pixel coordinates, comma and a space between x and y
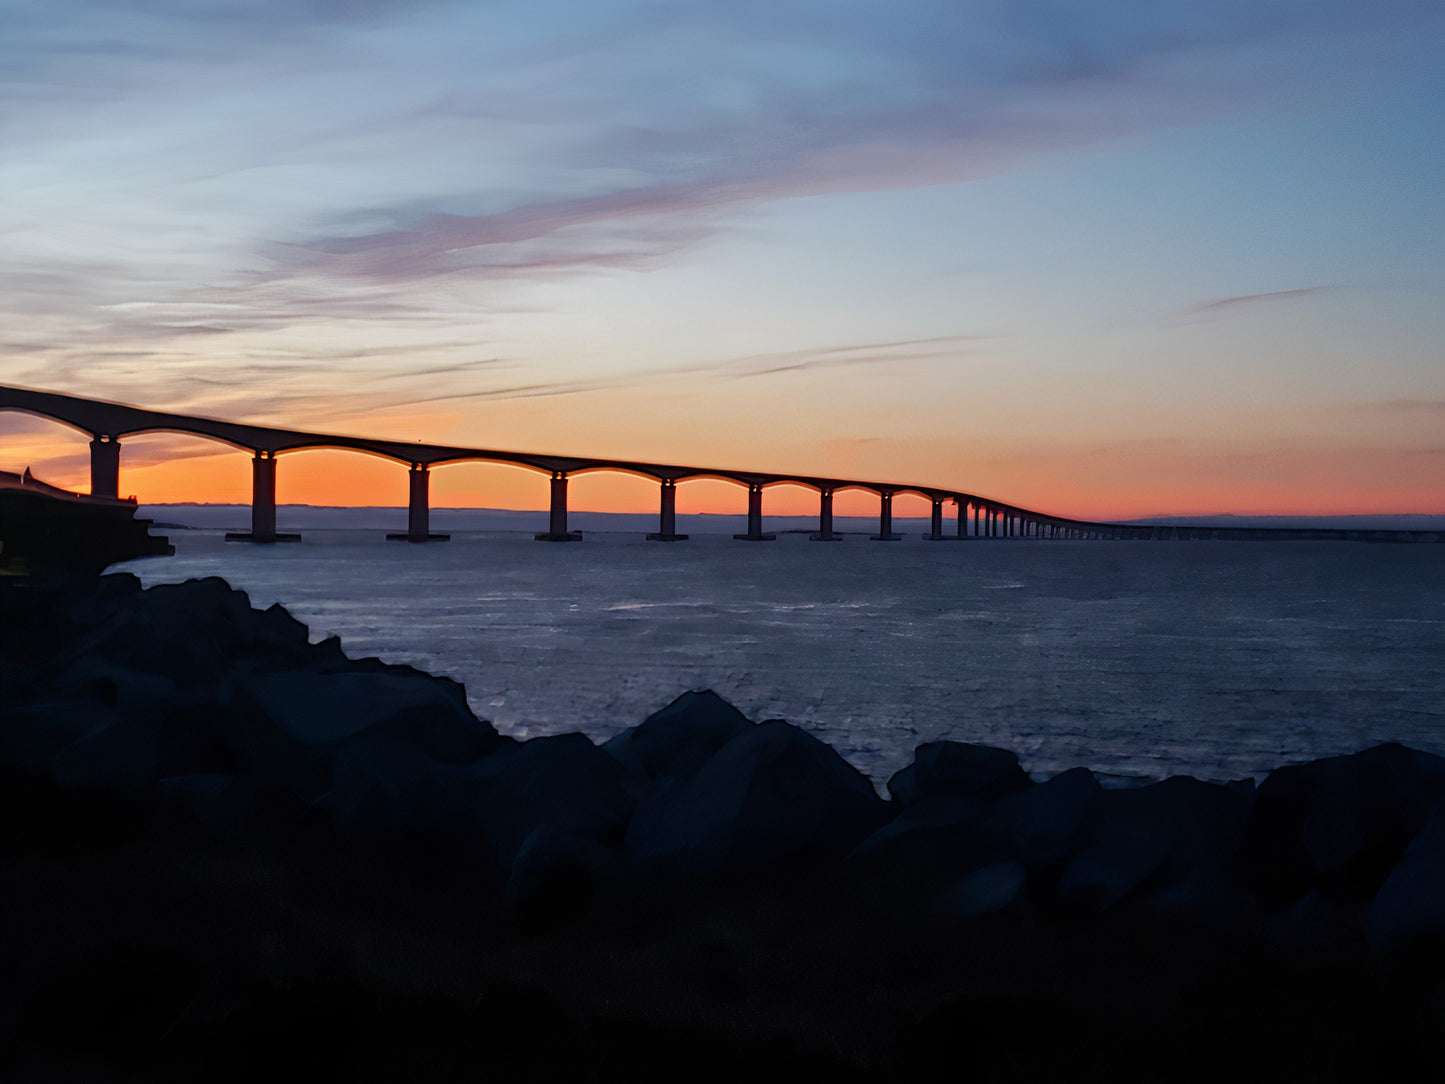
226, 847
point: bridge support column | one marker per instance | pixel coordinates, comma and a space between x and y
825, 518
755, 516
667, 518
104, 466
418, 509
557, 531
885, 519
263, 503
962, 518
935, 522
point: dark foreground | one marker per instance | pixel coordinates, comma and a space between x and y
228, 852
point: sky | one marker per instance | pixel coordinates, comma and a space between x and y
1105, 260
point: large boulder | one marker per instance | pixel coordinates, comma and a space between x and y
321, 709
677, 740
122, 757
1409, 911
772, 798
32, 734
289, 724
383, 785
1341, 824
554, 879
1148, 839
1045, 822
563, 782
927, 848
196, 633
959, 768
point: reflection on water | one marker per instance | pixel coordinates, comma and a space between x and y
1218, 659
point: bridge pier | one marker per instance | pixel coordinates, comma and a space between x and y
263, 503
962, 517
667, 516
418, 509
885, 520
935, 522
825, 519
755, 516
557, 524
104, 466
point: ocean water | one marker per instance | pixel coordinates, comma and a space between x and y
1137, 659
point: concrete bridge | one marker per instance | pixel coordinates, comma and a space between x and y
107, 423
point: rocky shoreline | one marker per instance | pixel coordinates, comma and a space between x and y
227, 850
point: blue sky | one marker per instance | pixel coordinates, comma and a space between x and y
1105, 259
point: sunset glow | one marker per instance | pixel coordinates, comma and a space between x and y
1107, 260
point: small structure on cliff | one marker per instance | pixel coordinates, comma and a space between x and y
44, 528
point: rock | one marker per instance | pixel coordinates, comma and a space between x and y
1157, 835
196, 633
984, 891
773, 797
953, 767
678, 739
290, 723
563, 782
35, 733
946, 811
121, 757
135, 692
554, 879
1340, 824
907, 862
192, 632
384, 785
1044, 822
1409, 910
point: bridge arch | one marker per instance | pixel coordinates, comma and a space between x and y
630, 469
631, 491
48, 416
527, 463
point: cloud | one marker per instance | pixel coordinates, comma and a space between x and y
284, 164
908, 351
1225, 306
844, 103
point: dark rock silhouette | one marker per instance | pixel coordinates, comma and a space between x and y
955, 767
1045, 822
1339, 825
771, 797
218, 836
677, 740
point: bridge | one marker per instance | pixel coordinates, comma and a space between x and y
107, 423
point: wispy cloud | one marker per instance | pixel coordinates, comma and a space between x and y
902, 353
1225, 306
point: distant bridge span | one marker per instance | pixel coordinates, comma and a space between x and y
107, 423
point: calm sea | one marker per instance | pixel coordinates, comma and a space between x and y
1137, 659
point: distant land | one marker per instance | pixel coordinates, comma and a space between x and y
298, 516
